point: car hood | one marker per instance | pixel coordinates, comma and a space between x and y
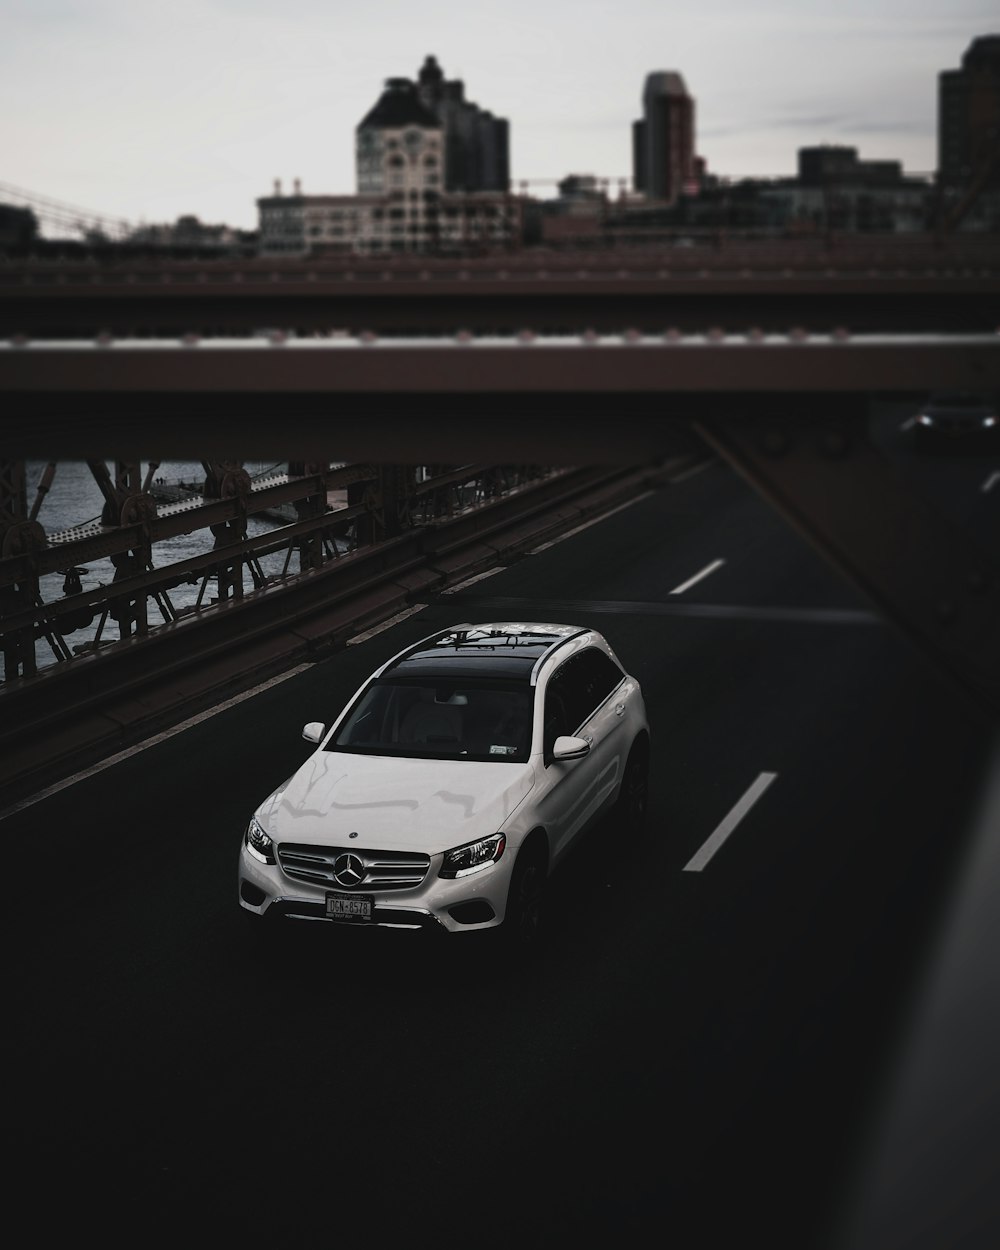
399, 804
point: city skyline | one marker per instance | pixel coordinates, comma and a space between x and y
198, 108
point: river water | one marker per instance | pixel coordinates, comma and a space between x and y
74, 498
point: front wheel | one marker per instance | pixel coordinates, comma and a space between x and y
633, 798
522, 926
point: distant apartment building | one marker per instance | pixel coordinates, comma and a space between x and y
832, 165
663, 147
431, 175
834, 191
399, 144
380, 224
969, 118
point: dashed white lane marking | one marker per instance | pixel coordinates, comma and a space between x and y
909, 423
151, 742
990, 482
709, 568
702, 856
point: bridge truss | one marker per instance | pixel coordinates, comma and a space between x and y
523, 385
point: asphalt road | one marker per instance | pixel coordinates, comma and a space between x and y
698, 1057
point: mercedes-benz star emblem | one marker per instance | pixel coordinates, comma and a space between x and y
348, 869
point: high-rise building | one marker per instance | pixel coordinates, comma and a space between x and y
663, 155
969, 117
477, 156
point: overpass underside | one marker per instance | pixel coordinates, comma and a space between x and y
527, 399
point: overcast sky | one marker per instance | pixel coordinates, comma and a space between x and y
196, 106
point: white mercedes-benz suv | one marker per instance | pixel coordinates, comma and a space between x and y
452, 784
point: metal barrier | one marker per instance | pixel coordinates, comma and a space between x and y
389, 500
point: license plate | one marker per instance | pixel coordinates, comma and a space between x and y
357, 907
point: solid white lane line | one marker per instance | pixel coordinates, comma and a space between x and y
695, 469
471, 581
701, 857
709, 568
587, 524
388, 624
101, 765
990, 482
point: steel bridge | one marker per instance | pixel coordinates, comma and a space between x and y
892, 283
475, 411
451, 389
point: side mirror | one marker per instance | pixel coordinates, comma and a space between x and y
314, 731
569, 748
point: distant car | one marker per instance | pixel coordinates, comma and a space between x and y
957, 419
454, 782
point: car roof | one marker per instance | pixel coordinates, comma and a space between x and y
505, 649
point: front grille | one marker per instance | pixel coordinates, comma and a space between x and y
384, 870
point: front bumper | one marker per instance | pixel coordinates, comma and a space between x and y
436, 905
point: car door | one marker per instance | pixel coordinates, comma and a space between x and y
574, 703
596, 679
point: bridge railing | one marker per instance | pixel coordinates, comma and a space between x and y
376, 503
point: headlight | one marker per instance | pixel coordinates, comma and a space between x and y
473, 857
258, 843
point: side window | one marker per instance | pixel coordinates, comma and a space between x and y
556, 710
585, 681
599, 675
576, 689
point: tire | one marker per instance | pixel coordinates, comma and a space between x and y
522, 926
633, 798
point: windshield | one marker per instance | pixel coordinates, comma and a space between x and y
437, 719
